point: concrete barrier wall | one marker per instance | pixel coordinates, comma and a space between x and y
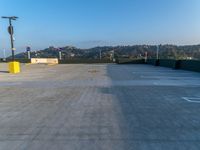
129, 61
52, 61
18, 60
170, 63
191, 65
154, 62
84, 61
151, 61
44, 60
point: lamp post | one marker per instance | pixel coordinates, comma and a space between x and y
11, 32
28, 50
157, 53
114, 56
4, 55
100, 54
60, 53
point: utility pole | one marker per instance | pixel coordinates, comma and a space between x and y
11, 32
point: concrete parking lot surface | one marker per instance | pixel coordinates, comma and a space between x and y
99, 107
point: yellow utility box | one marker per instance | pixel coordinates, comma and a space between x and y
14, 67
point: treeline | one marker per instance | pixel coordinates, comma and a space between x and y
136, 51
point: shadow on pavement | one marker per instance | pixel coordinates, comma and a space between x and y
4, 71
153, 117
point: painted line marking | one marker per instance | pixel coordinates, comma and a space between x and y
192, 99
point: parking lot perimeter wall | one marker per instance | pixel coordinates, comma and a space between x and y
191, 65
84, 61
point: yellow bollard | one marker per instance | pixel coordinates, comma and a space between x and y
14, 67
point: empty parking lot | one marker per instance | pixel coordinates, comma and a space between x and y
99, 107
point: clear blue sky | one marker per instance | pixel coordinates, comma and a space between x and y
88, 23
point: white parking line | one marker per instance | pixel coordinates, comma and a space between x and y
192, 99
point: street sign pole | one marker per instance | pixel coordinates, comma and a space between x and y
11, 32
11, 39
14, 67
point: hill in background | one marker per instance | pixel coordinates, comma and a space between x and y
136, 51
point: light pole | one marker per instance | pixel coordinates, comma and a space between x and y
60, 53
145, 56
4, 55
113, 55
11, 32
157, 53
100, 54
28, 50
